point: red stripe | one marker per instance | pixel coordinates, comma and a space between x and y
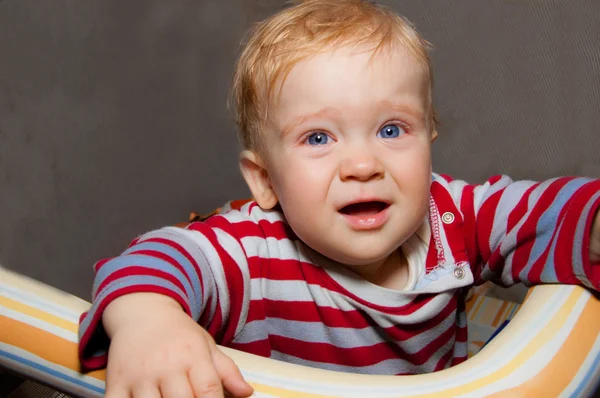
259, 347
529, 231
100, 263
431, 261
357, 356
485, 223
206, 316
165, 257
251, 228
176, 246
256, 311
453, 232
310, 274
520, 209
309, 311
136, 270
467, 207
564, 252
215, 327
403, 332
233, 278
445, 361
354, 319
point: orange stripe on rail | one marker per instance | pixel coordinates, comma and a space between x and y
557, 375
43, 344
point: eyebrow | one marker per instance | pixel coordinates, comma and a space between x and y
414, 112
301, 119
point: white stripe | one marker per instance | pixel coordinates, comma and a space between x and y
215, 268
273, 216
340, 337
200, 248
456, 188
539, 360
385, 368
500, 236
36, 374
39, 324
272, 248
294, 291
516, 341
189, 242
39, 303
233, 248
508, 251
462, 375
257, 214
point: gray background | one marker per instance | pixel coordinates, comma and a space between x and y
113, 117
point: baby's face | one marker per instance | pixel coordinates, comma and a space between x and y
349, 152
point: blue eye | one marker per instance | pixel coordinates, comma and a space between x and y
390, 131
318, 139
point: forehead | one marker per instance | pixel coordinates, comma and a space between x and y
353, 76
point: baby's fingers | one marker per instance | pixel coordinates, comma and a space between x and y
146, 390
205, 381
232, 379
116, 392
176, 385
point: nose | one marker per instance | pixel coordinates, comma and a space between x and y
361, 165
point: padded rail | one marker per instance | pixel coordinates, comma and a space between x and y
550, 348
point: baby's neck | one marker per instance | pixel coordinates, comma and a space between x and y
392, 273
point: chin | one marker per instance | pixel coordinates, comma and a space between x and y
360, 259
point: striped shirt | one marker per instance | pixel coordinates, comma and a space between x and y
255, 287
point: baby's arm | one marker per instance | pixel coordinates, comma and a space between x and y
157, 350
532, 232
147, 301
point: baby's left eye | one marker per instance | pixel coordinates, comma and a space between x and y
391, 131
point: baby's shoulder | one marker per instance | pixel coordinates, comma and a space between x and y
247, 218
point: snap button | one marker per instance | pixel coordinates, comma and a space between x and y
448, 218
459, 273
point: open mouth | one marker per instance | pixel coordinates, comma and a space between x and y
363, 209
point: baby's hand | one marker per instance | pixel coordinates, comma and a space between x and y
164, 353
595, 240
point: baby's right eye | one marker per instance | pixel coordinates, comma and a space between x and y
317, 138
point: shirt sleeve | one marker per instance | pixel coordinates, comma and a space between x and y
531, 232
203, 267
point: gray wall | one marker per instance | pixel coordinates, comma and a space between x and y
113, 117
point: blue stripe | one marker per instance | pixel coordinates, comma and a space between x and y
52, 372
548, 274
123, 283
182, 260
46, 306
151, 263
547, 224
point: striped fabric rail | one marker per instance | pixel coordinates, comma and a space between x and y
550, 348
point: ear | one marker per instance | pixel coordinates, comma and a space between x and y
434, 135
256, 176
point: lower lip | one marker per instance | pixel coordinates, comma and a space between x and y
367, 222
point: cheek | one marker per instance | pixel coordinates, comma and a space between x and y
412, 169
304, 175
299, 186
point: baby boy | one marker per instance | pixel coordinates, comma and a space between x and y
353, 255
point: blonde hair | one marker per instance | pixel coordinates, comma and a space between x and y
276, 44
